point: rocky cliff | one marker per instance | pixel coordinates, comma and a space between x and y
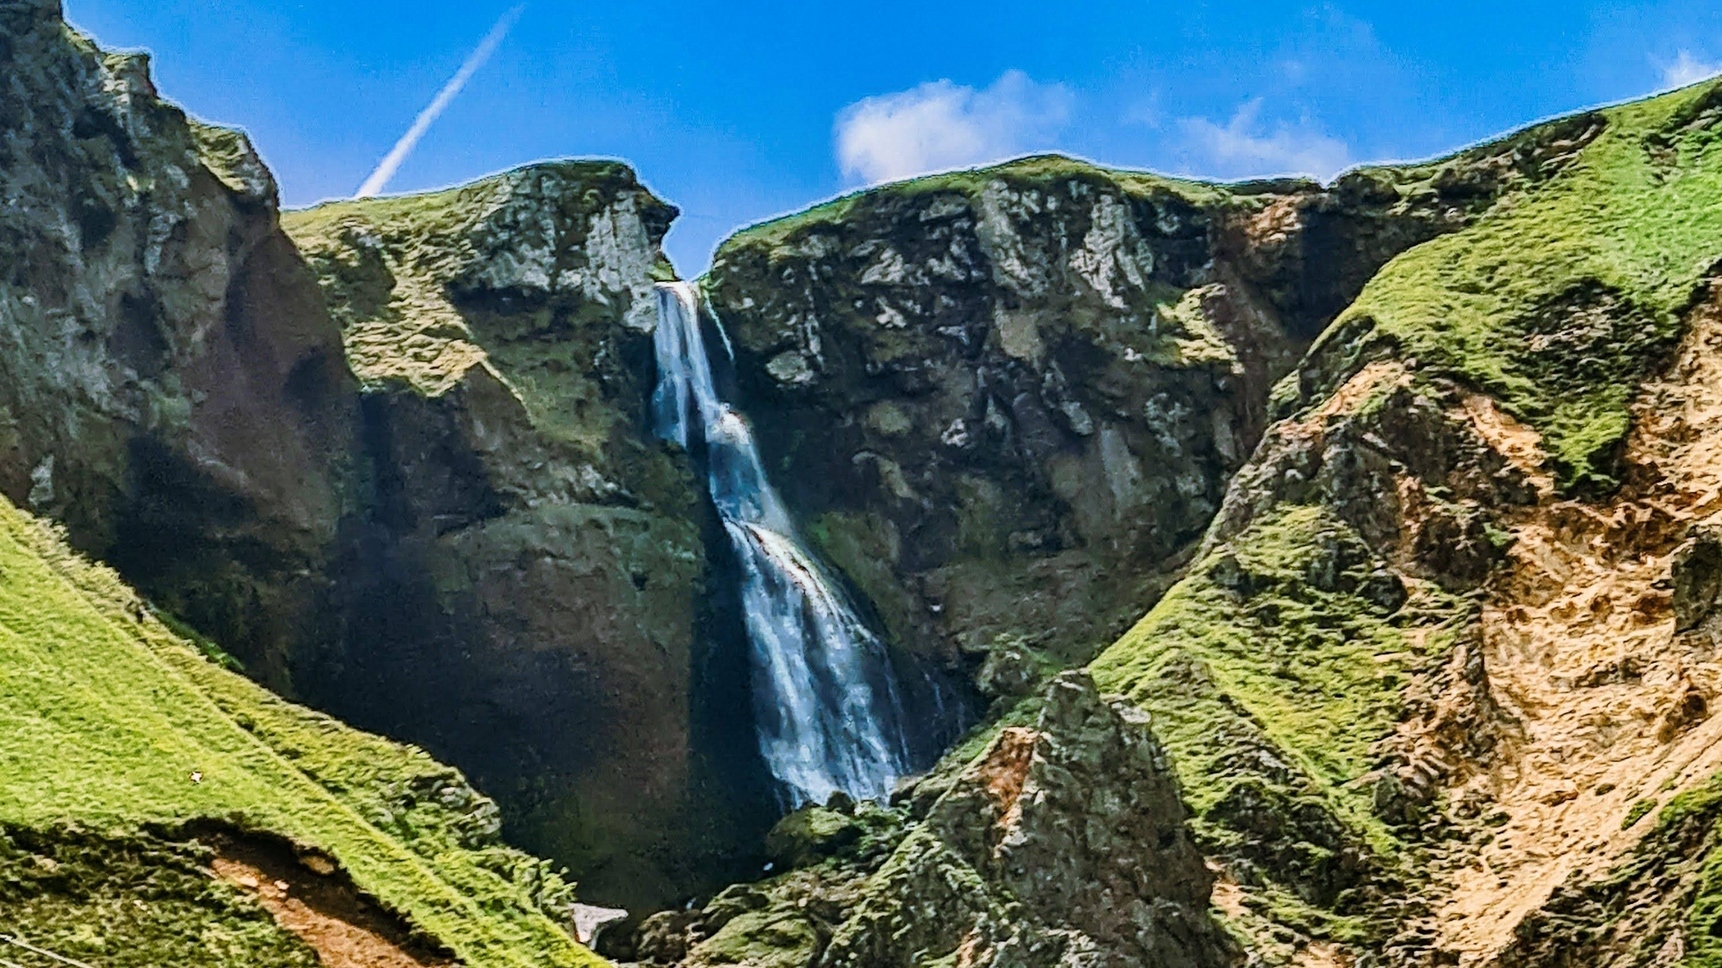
1012, 398
524, 581
1434, 654
170, 387
1407, 483
1061, 844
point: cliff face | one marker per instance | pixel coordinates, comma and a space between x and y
525, 582
1008, 400
404, 476
169, 387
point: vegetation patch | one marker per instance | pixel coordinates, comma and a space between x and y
1272, 671
1560, 303
114, 723
131, 901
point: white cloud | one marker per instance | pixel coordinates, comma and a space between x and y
940, 125
1244, 147
1687, 69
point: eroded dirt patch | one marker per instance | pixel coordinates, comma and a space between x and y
310, 897
1609, 703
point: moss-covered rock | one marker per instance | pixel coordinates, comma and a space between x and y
527, 581
1060, 844
169, 386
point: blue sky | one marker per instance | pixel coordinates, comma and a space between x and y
736, 112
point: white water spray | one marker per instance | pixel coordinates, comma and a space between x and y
824, 697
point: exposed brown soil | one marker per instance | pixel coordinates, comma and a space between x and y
1605, 704
310, 897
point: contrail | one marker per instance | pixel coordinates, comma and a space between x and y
427, 117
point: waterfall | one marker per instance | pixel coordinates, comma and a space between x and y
823, 692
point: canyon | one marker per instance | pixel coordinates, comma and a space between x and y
1157, 571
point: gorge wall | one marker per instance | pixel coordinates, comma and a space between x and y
172, 390
1378, 513
413, 487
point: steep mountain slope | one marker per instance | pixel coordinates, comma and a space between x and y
524, 584
169, 387
1443, 646
145, 789
1409, 484
1471, 682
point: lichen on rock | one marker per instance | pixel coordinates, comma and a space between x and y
1061, 844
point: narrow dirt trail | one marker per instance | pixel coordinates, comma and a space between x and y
1612, 708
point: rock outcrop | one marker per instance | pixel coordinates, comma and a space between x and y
170, 387
1063, 844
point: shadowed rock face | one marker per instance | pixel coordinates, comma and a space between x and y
526, 585
170, 388
415, 482
1697, 579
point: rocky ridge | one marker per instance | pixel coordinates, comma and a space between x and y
1411, 473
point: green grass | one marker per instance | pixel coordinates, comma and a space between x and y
1300, 663
1700, 806
1636, 812
104, 717
227, 153
1033, 171
1561, 300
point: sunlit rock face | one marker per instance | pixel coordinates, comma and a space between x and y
1010, 396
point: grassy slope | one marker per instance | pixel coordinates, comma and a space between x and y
1630, 229
1301, 662
1317, 669
104, 718
1559, 302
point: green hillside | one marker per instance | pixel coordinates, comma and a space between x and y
105, 714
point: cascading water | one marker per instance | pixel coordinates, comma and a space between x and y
824, 696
